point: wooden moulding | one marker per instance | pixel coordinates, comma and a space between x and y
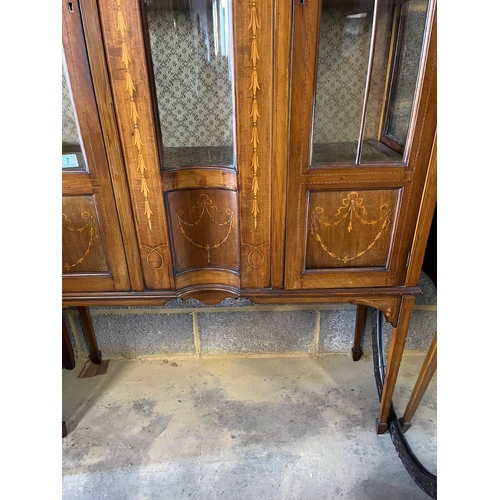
205, 279
76, 184
386, 300
283, 26
189, 178
209, 294
424, 221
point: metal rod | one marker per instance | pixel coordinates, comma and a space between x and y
368, 81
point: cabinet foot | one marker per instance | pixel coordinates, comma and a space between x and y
381, 426
96, 357
404, 425
356, 354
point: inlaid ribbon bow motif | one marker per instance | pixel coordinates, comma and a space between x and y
351, 209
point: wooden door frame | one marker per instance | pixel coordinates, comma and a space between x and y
409, 178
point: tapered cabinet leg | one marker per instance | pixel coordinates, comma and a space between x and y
95, 353
425, 376
357, 352
396, 349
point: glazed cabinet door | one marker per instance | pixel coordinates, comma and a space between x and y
192, 82
362, 122
93, 256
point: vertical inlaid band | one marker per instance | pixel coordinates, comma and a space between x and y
134, 116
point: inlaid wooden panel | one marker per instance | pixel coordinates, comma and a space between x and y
82, 248
350, 228
254, 62
204, 229
124, 46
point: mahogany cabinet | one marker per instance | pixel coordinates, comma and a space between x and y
282, 151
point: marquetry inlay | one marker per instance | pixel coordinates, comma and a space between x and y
90, 225
205, 210
259, 258
154, 252
130, 89
351, 210
254, 87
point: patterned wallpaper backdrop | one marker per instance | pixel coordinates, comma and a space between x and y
342, 65
192, 63
192, 60
69, 129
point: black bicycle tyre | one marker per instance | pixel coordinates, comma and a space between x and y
420, 475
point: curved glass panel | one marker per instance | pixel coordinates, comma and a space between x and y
192, 57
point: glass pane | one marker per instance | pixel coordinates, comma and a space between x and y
192, 56
412, 25
344, 45
72, 153
400, 32
343, 64
372, 148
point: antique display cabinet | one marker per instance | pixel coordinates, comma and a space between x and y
278, 150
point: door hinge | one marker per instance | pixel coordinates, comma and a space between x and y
302, 2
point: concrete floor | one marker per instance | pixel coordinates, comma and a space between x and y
238, 428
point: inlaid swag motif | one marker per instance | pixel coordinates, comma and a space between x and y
351, 211
90, 226
205, 212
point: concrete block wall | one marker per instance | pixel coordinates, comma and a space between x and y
239, 327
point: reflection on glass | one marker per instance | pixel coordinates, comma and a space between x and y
72, 154
192, 57
342, 64
348, 55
